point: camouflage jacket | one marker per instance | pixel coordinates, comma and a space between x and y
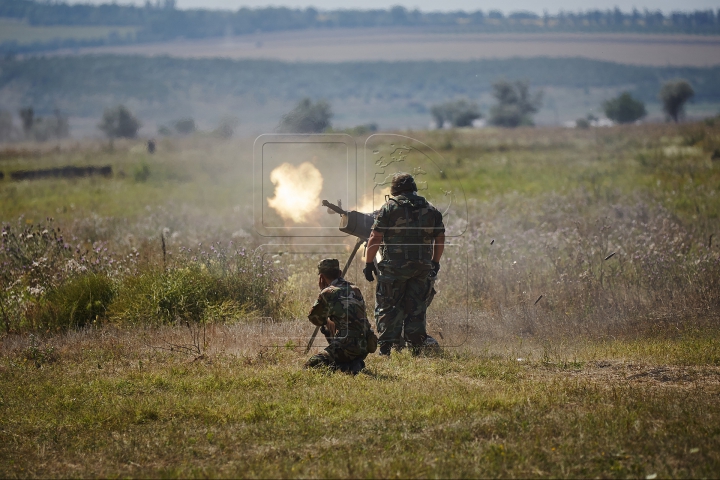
343, 303
409, 225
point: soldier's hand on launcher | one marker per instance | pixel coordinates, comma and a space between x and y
369, 269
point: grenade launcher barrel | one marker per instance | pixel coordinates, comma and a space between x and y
352, 222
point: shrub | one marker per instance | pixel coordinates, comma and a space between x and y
459, 113
119, 122
213, 284
674, 94
307, 117
624, 109
73, 304
515, 105
185, 126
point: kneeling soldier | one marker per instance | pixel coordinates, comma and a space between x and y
340, 311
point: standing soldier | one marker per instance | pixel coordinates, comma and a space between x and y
340, 311
412, 236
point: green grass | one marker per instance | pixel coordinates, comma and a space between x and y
110, 406
25, 34
613, 374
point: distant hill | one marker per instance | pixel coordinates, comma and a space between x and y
395, 94
158, 22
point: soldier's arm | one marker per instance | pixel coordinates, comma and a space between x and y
438, 247
376, 236
439, 241
320, 311
373, 245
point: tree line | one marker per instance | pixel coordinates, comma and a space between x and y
163, 21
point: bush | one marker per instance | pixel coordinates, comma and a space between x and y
119, 122
673, 95
213, 285
624, 109
227, 126
307, 117
185, 126
141, 172
459, 113
515, 105
73, 304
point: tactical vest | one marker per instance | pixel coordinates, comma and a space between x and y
411, 232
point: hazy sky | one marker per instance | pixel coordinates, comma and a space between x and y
506, 6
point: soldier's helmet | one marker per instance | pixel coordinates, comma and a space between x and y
328, 265
402, 182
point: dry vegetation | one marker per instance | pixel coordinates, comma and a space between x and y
178, 370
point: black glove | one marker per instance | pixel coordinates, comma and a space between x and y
368, 271
436, 268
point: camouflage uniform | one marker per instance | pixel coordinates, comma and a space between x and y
409, 225
342, 302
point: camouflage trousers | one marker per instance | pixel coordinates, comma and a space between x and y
340, 351
401, 299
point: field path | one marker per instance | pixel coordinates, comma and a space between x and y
372, 44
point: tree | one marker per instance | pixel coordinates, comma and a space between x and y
307, 117
185, 126
27, 115
119, 122
516, 104
624, 109
673, 95
459, 113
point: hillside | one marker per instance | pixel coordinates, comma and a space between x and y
395, 95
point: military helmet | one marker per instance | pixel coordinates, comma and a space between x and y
328, 265
402, 182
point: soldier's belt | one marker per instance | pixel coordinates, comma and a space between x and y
350, 334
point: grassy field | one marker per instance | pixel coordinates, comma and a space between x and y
124, 354
24, 34
377, 44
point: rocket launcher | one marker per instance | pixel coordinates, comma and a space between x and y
352, 222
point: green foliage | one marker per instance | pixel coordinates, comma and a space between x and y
215, 290
226, 127
185, 126
119, 122
515, 105
458, 113
73, 304
674, 94
624, 109
141, 172
307, 117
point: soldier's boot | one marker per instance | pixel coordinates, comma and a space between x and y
356, 366
385, 349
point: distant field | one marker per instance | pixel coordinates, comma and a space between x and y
25, 34
340, 45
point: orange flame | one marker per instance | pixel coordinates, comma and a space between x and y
297, 191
